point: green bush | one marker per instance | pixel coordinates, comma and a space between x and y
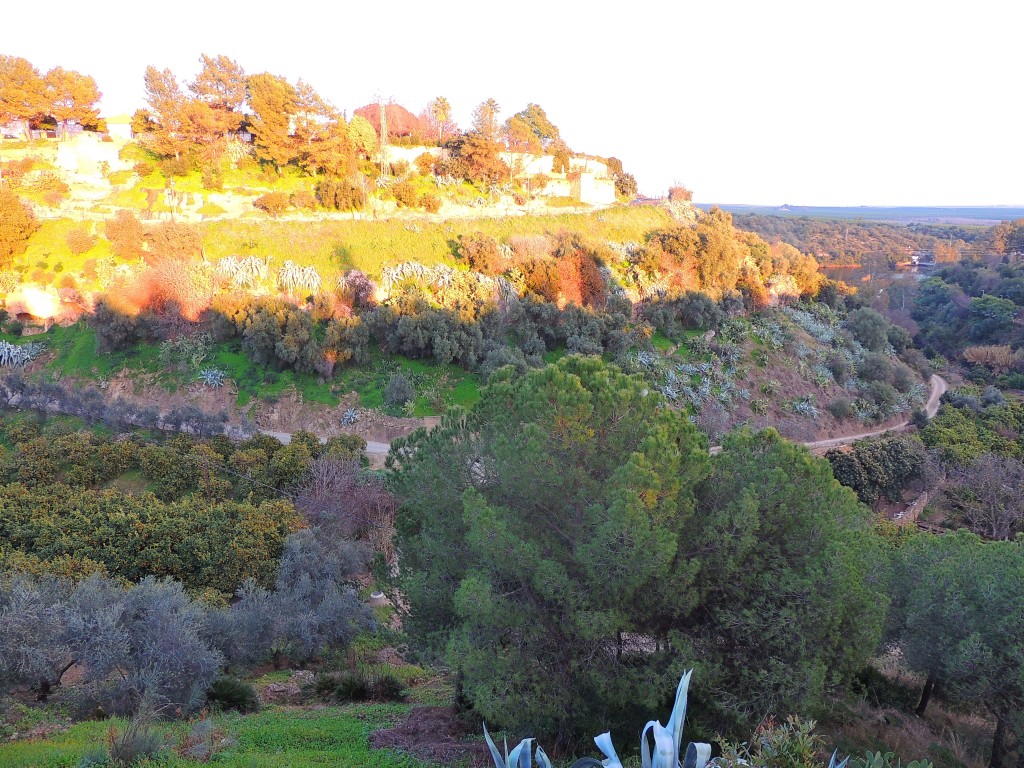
171, 166
841, 408
386, 687
233, 694
79, 241
399, 390
880, 691
340, 195
303, 200
213, 178
351, 686
17, 223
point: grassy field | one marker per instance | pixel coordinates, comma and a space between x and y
278, 736
338, 245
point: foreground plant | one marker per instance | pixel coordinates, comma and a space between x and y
666, 742
667, 739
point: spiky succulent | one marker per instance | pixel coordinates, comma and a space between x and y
212, 377
350, 417
17, 355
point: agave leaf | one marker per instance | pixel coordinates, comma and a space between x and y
665, 755
543, 761
604, 743
645, 747
495, 754
675, 722
697, 755
832, 762
521, 751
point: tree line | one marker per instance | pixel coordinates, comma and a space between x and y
59, 98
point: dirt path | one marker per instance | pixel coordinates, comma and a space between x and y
376, 451
372, 447
938, 388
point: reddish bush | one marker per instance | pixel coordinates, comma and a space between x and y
174, 240
405, 194
679, 194
125, 234
79, 241
274, 203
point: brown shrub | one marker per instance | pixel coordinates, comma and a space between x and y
274, 203
125, 234
79, 241
174, 240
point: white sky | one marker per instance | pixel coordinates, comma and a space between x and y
809, 103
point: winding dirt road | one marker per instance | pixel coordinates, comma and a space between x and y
938, 388
377, 451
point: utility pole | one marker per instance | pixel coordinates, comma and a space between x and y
385, 165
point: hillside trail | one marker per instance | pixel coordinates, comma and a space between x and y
376, 451
938, 389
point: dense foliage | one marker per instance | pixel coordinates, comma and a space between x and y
571, 530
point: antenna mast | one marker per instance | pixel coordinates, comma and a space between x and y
385, 165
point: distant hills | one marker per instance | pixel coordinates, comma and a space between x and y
902, 214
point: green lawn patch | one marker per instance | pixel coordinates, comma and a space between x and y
328, 736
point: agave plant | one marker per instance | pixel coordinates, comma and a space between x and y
228, 266
666, 742
518, 757
350, 417
16, 355
212, 377
289, 276
251, 271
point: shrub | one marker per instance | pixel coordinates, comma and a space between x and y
351, 686
274, 203
425, 163
883, 395
430, 203
138, 745
181, 166
125, 234
399, 390
303, 200
229, 693
213, 177
842, 408
386, 687
839, 367
679, 194
17, 224
405, 194
869, 328
481, 252
175, 240
340, 194
79, 241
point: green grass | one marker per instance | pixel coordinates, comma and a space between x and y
661, 342
49, 244
338, 245
328, 736
437, 386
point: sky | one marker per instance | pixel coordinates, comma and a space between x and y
804, 103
